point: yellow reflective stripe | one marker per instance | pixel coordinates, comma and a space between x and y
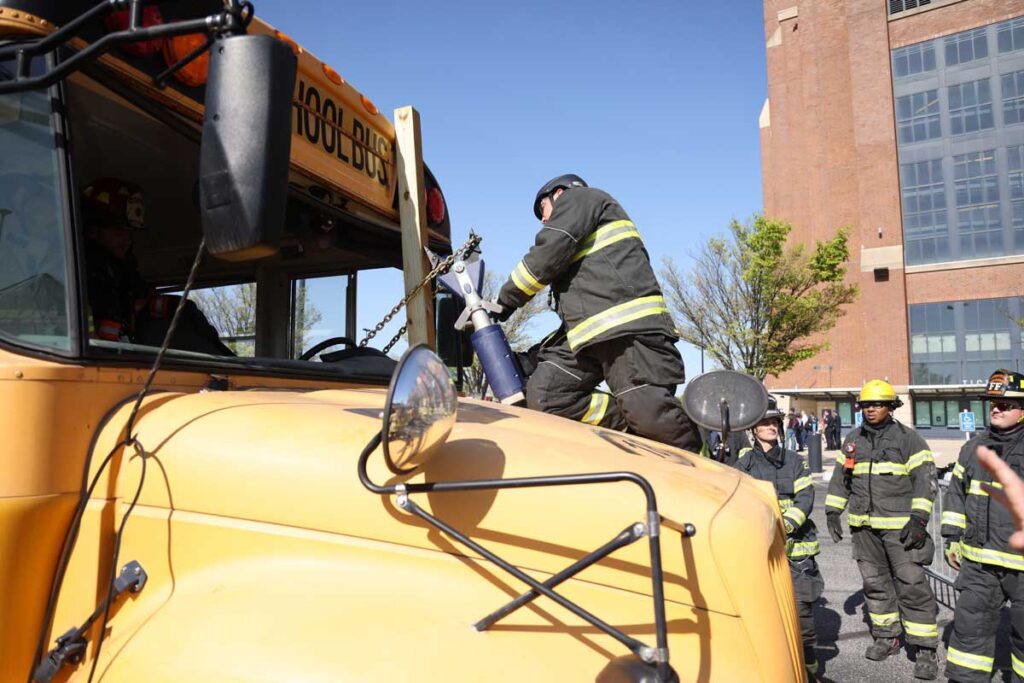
598, 407
804, 548
958, 471
616, 316
743, 452
1018, 666
975, 488
922, 504
995, 557
802, 483
795, 515
918, 459
834, 501
785, 503
876, 522
921, 630
605, 236
954, 519
893, 468
884, 619
525, 281
969, 661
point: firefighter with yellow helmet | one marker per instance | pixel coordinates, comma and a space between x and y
885, 479
977, 533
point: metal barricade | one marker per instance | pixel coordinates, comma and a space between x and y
940, 575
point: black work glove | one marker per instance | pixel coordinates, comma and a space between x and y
914, 533
835, 529
506, 312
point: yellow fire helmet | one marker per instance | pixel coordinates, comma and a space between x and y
1005, 384
879, 390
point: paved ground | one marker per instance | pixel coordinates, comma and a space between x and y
841, 618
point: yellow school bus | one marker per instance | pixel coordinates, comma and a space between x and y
230, 517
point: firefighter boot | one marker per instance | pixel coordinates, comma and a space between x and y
927, 667
882, 648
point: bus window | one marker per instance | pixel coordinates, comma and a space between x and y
231, 309
33, 284
318, 312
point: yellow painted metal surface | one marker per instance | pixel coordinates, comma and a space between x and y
269, 561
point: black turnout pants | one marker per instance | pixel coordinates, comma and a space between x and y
895, 586
807, 588
982, 590
641, 372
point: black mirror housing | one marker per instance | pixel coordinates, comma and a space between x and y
243, 161
454, 347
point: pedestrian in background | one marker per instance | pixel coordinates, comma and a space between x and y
826, 427
885, 477
792, 421
801, 430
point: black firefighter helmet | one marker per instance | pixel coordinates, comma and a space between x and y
773, 412
1005, 384
564, 181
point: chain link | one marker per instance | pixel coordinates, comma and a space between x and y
442, 267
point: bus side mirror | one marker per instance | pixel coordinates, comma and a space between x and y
454, 347
243, 161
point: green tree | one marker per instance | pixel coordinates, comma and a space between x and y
757, 304
232, 310
516, 331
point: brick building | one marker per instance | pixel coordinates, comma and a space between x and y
904, 120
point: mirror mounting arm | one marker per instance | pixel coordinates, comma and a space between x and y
233, 20
655, 656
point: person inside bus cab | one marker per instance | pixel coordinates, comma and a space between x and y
615, 324
123, 307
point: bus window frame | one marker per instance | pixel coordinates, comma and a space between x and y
73, 277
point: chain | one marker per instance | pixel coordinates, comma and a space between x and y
442, 267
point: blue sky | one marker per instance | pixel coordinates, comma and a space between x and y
654, 101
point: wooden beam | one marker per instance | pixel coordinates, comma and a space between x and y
412, 210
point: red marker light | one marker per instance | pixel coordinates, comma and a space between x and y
118, 21
435, 206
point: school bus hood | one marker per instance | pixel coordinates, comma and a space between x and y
289, 458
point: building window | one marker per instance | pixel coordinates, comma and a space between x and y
915, 59
966, 46
933, 349
925, 230
1015, 175
1013, 97
962, 342
970, 107
897, 6
987, 336
917, 116
1010, 35
977, 204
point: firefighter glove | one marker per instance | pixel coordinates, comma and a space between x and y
835, 529
506, 312
954, 553
914, 534
789, 527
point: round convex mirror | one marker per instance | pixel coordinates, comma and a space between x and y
747, 399
420, 410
